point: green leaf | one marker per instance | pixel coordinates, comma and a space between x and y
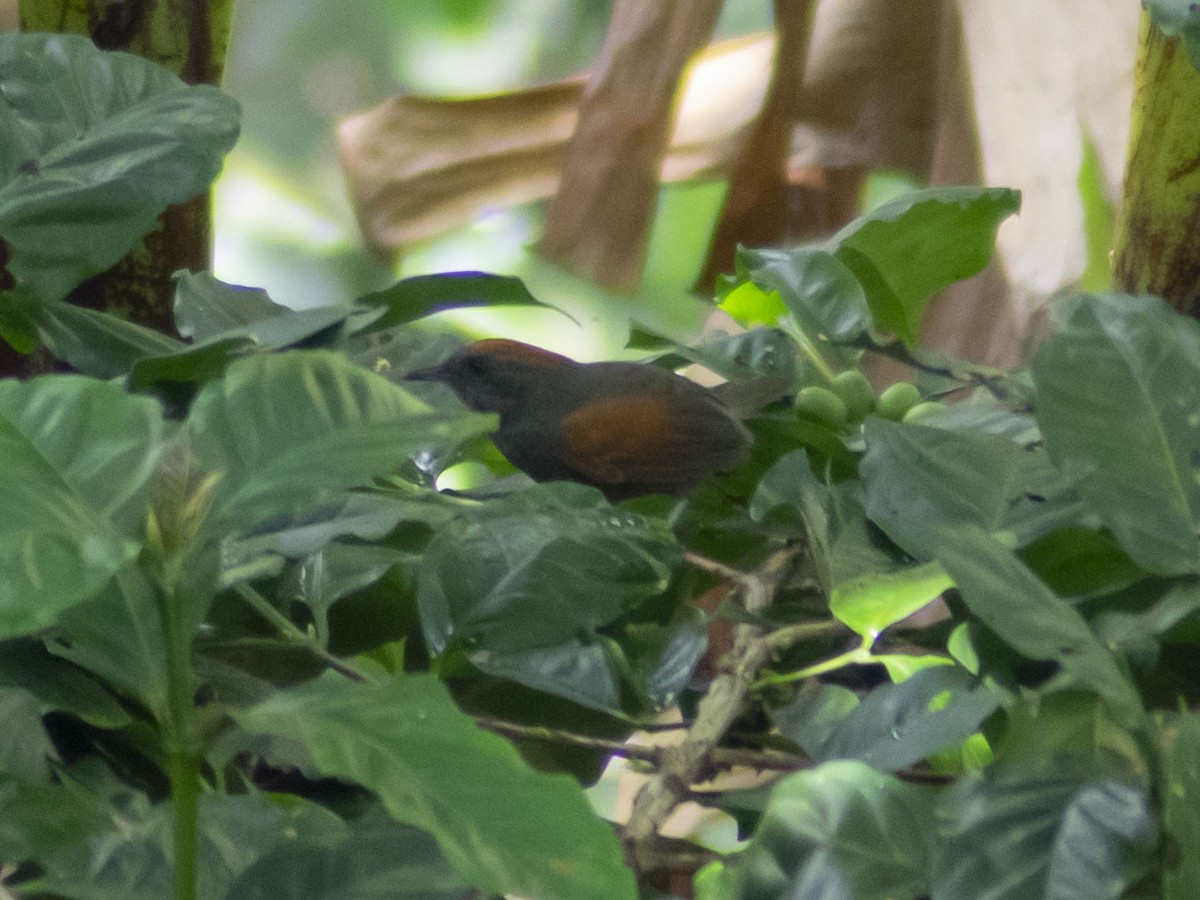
1010, 600
118, 636
98, 145
379, 858
841, 830
1178, 738
41, 818
582, 673
206, 307
58, 685
292, 431
1181, 19
870, 603
537, 568
899, 725
1118, 401
78, 455
908, 249
1017, 834
1076, 561
97, 343
844, 545
822, 295
504, 827
920, 480
422, 295
811, 718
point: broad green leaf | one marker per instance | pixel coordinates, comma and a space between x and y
504, 827
1010, 600
812, 717
206, 307
1118, 402
97, 343
1105, 843
582, 673
40, 818
209, 357
132, 858
841, 830
118, 636
822, 295
537, 568
57, 685
830, 516
98, 144
1019, 834
379, 858
292, 431
899, 725
78, 455
1074, 725
1075, 561
1181, 19
870, 603
1178, 739
920, 480
414, 298
908, 249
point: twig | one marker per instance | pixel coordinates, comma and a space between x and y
683, 765
651, 754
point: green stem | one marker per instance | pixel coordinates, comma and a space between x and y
857, 655
182, 742
810, 350
288, 630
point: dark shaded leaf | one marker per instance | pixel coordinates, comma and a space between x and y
1118, 401
504, 827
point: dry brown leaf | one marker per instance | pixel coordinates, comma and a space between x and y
419, 167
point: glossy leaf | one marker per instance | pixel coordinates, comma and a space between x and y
535, 569
1118, 402
422, 295
504, 827
1024, 834
99, 144
78, 455
870, 603
97, 343
1010, 600
822, 295
41, 818
908, 249
290, 432
841, 830
899, 725
920, 480
206, 307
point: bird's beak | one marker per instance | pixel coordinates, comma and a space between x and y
433, 373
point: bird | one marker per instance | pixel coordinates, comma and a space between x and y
629, 429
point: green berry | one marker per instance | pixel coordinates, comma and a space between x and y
823, 405
897, 399
922, 410
856, 392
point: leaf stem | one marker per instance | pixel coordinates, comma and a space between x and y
291, 632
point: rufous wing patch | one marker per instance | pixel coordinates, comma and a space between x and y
655, 440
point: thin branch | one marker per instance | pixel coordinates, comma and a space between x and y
692, 761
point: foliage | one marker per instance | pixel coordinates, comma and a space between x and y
246, 643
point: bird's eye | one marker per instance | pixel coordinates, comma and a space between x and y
477, 365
